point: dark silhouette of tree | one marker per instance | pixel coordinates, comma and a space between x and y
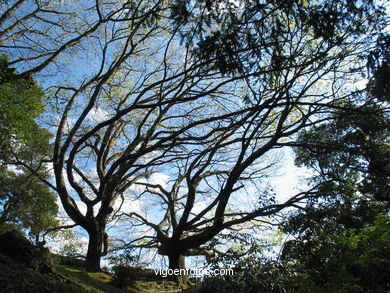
286, 59
201, 91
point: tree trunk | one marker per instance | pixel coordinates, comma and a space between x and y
94, 252
177, 262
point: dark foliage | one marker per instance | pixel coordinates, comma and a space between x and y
231, 36
342, 235
28, 268
253, 276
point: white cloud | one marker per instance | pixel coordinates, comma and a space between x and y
97, 115
198, 207
290, 178
129, 204
156, 178
159, 178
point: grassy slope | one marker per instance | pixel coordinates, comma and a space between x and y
102, 282
28, 268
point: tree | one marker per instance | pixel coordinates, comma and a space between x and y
118, 31
26, 201
37, 33
293, 70
342, 236
207, 111
339, 258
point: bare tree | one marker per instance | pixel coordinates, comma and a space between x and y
119, 122
136, 101
37, 33
297, 79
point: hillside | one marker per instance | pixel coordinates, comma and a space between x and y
27, 268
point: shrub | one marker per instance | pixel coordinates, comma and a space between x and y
253, 276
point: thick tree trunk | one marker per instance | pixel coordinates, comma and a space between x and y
177, 262
94, 252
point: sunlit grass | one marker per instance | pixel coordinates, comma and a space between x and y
104, 282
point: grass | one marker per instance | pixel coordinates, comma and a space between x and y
93, 282
103, 282
26, 268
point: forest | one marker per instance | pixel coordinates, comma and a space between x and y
242, 136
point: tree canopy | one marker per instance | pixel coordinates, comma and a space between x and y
341, 237
201, 93
26, 201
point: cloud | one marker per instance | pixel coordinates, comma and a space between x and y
198, 207
159, 178
97, 115
129, 204
289, 178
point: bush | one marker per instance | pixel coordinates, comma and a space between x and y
68, 261
253, 276
353, 260
124, 275
29, 268
14, 245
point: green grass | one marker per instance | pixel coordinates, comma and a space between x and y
26, 268
103, 282
93, 282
